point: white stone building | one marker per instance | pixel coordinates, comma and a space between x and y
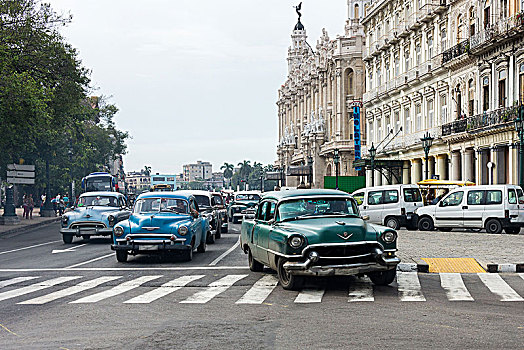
448, 68
199, 171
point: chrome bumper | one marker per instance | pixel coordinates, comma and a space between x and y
85, 231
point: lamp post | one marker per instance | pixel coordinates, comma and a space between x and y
336, 160
427, 141
372, 154
519, 127
310, 166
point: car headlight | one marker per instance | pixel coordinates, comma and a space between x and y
111, 220
65, 219
296, 241
182, 230
389, 236
119, 231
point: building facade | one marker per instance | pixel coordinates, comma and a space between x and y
199, 171
315, 103
450, 69
137, 182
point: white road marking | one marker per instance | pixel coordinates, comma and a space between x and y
213, 290
260, 290
521, 275
72, 249
121, 288
15, 280
35, 287
226, 253
455, 288
361, 290
163, 290
310, 296
409, 287
32, 246
70, 291
185, 268
498, 286
90, 261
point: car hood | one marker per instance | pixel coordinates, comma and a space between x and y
91, 213
246, 203
165, 222
330, 230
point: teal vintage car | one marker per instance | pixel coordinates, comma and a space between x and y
303, 233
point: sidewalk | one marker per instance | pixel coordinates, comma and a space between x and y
25, 223
499, 251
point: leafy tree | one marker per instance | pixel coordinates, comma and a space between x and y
147, 170
228, 171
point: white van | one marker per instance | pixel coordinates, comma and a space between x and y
392, 205
493, 207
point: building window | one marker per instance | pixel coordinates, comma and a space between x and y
443, 109
396, 121
460, 29
521, 83
379, 76
370, 80
431, 115
459, 102
407, 121
418, 118
350, 82
418, 53
430, 47
443, 39
397, 65
355, 13
379, 128
486, 17
485, 94
472, 21
406, 60
502, 88
386, 71
504, 9
471, 97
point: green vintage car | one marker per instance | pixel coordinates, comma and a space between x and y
303, 233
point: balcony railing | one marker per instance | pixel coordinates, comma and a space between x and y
456, 51
486, 120
500, 28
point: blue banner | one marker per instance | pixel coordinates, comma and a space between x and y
356, 133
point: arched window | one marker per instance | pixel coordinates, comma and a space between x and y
471, 97
472, 21
460, 29
356, 14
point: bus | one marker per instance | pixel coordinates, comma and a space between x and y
167, 182
100, 181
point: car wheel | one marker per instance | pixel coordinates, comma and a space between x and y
426, 224
218, 233
512, 230
86, 237
393, 222
121, 255
210, 239
254, 265
383, 278
287, 280
68, 239
203, 245
188, 255
445, 229
493, 226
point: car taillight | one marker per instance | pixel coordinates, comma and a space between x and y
506, 213
403, 211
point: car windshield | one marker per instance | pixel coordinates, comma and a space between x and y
100, 201
247, 197
303, 208
202, 201
155, 205
98, 184
412, 195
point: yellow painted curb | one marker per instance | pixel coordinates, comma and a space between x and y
457, 265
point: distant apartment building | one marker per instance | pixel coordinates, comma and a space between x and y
198, 171
138, 181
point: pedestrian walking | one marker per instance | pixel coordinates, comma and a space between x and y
25, 205
42, 202
31, 206
58, 199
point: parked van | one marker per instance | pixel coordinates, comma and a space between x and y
392, 205
493, 207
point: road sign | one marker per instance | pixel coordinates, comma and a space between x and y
21, 167
20, 181
15, 173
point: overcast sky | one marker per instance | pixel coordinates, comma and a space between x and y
193, 79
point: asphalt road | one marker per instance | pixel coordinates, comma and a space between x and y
77, 296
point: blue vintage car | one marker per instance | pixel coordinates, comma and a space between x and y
243, 201
162, 222
94, 214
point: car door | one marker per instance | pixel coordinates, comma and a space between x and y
520, 201
259, 236
391, 204
374, 206
494, 207
474, 208
449, 212
196, 222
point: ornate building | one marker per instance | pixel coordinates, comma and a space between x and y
315, 105
448, 68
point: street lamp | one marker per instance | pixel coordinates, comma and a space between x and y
310, 166
336, 160
372, 154
427, 141
519, 126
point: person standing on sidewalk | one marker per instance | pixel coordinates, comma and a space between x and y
58, 198
31, 206
25, 205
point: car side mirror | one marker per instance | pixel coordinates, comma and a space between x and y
365, 218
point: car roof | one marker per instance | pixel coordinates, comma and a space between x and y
386, 187
102, 193
195, 193
174, 195
289, 194
247, 192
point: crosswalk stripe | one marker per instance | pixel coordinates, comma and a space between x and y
70, 291
307, 296
454, 286
121, 288
35, 287
361, 290
15, 280
409, 287
163, 290
498, 286
521, 275
213, 289
260, 290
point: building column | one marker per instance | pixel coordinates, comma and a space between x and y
431, 166
478, 167
500, 167
493, 170
406, 172
442, 166
369, 174
378, 178
469, 165
511, 81
456, 167
416, 173
513, 160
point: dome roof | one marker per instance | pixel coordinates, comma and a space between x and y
299, 26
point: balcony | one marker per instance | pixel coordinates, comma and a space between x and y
412, 75
424, 68
381, 89
401, 80
370, 95
505, 27
432, 8
414, 21
499, 118
393, 36
456, 51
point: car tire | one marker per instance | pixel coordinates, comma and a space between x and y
512, 230
254, 265
426, 224
493, 226
287, 280
383, 278
188, 255
445, 229
210, 239
121, 255
392, 222
68, 239
203, 245
218, 233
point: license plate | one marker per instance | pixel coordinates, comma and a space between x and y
87, 232
148, 247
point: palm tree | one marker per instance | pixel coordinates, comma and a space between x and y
245, 169
228, 171
147, 170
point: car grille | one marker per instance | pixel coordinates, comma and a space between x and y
344, 253
88, 224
